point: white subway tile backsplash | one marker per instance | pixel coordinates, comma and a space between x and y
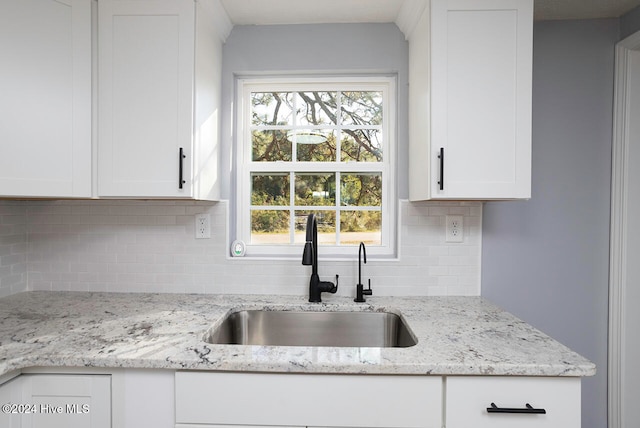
13, 247
149, 246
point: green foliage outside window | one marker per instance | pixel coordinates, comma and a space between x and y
320, 127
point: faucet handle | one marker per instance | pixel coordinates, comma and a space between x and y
328, 286
334, 289
361, 292
369, 291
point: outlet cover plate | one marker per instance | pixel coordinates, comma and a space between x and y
455, 228
203, 226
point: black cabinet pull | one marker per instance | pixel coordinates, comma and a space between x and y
441, 157
181, 157
528, 409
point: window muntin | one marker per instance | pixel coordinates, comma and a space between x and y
322, 146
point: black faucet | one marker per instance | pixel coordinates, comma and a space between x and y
310, 257
360, 291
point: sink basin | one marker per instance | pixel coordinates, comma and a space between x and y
305, 328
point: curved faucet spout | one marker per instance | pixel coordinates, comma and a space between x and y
361, 250
360, 291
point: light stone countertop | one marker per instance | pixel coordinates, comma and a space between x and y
456, 336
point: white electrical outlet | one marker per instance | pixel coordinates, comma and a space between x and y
203, 226
454, 229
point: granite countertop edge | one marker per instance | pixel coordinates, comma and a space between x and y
456, 336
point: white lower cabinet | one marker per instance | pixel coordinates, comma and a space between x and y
231, 426
470, 398
66, 401
10, 394
128, 398
56, 401
143, 398
88, 398
300, 400
224, 400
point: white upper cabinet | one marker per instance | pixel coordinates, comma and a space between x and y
45, 106
470, 100
159, 68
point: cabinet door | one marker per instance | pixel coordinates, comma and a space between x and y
11, 393
468, 399
67, 401
143, 398
146, 66
45, 106
481, 72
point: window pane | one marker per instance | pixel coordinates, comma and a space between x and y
270, 146
361, 189
364, 145
360, 226
316, 108
271, 108
315, 189
361, 108
326, 226
269, 189
270, 227
315, 148
311, 148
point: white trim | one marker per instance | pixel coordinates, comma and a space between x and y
386, 83
219, 17
618, 244
409, 15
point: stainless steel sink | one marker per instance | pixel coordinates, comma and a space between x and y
300, 328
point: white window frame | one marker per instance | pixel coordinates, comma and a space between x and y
245, 166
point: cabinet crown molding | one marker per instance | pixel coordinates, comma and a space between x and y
409, 15
219, 17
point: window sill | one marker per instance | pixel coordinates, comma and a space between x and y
298, 258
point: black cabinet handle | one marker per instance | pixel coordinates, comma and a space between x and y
528, 409
181, 157
441, 157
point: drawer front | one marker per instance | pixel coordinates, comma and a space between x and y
228, 426
467, 400
308, 400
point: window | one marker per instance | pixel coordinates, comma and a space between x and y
323, 146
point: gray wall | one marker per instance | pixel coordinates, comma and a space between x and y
630, 23
546, 260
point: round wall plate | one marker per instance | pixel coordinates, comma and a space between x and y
238, 248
